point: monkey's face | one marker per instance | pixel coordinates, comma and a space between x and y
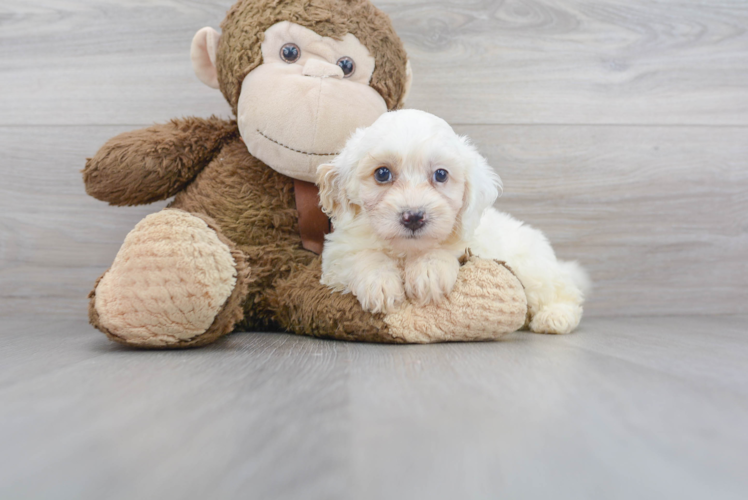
297, 109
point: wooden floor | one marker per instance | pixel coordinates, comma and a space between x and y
626, 408
619, 128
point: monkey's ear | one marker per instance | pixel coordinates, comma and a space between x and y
408, 82
203, 54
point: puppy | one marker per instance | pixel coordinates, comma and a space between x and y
407, 196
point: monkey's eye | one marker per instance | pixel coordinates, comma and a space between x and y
441, 175
290, 53
347, 65
383, 175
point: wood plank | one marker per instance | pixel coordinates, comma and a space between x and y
654, 213
54, 239
578, 62
704, 352
651, 408
61, 343
103, 61
536, 418
479, 62
228, 421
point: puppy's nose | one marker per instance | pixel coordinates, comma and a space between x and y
413, 220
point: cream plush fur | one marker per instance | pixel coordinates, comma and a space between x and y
168, 281
308, 105
486, 303
440, 176
306, 92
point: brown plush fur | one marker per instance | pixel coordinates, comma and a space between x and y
255, 208
304, 306
252, 208
232, 311
242, 33
207, 167
155, 163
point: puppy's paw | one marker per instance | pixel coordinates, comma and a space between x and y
556, 318
431, 277
380, 292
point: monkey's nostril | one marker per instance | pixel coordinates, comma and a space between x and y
413, 220
322, 69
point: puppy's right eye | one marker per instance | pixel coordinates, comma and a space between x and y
383, 175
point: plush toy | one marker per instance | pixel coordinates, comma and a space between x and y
237, 247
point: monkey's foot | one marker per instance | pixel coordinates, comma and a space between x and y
176, 282
486, 303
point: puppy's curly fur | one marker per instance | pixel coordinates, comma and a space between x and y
407, 197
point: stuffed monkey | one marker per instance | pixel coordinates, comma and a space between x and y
235, 249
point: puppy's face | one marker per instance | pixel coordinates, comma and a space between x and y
416, 181
412, 194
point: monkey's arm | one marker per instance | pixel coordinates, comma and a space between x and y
486, 303
154, 163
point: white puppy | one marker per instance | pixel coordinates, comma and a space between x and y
407, 197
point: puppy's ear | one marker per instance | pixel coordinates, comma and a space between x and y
329, 186
334, 179
482, 187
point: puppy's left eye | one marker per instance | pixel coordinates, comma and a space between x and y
383, 175
441, 175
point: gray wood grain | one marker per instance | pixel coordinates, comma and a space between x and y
619, 129
54, 239
574, 61
103, 62
645, 408
478, 62
654, 211
656, 214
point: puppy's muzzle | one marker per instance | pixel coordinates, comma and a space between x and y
413, 220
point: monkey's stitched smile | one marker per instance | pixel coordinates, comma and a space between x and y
295, 150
